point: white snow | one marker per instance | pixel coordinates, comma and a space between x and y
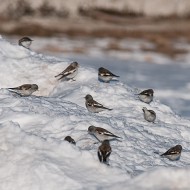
34, 155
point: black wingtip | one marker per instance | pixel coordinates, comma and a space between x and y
61, 78
107, 108
99, 156
57, 75
13, 88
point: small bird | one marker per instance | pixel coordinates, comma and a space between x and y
25, 89
146, 96
70, 140
25, 42
104, 151
101, 134
105, 75
149, 115
173, 153
94, 106
70, 72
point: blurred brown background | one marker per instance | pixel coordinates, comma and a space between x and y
160, 22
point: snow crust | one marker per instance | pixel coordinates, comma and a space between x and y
35, 156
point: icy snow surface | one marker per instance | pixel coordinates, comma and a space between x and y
34, 155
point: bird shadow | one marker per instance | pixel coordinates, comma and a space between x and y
111, 81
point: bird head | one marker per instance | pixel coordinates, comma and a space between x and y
34, 87
88, 97
74, 64
144, 109
91, 129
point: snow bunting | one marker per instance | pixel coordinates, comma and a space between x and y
146, 96
104, 151
25, 89
105, 75
173, 153
70, 140
25, 42
94, 106
149, 115
101, 134
70, 72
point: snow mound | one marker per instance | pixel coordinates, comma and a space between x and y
34, 154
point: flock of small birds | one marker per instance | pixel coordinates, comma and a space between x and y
104, 136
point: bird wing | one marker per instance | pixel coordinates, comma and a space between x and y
152, 112
106, 151
100, 155
16, 88
171, 151
105, 72
25, 87
108, 73
102, 131
98, 105
145, 92
94, 103
22, 87
69, 70
111, 74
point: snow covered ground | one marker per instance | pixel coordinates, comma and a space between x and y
169, 78
35, 156
140, 69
